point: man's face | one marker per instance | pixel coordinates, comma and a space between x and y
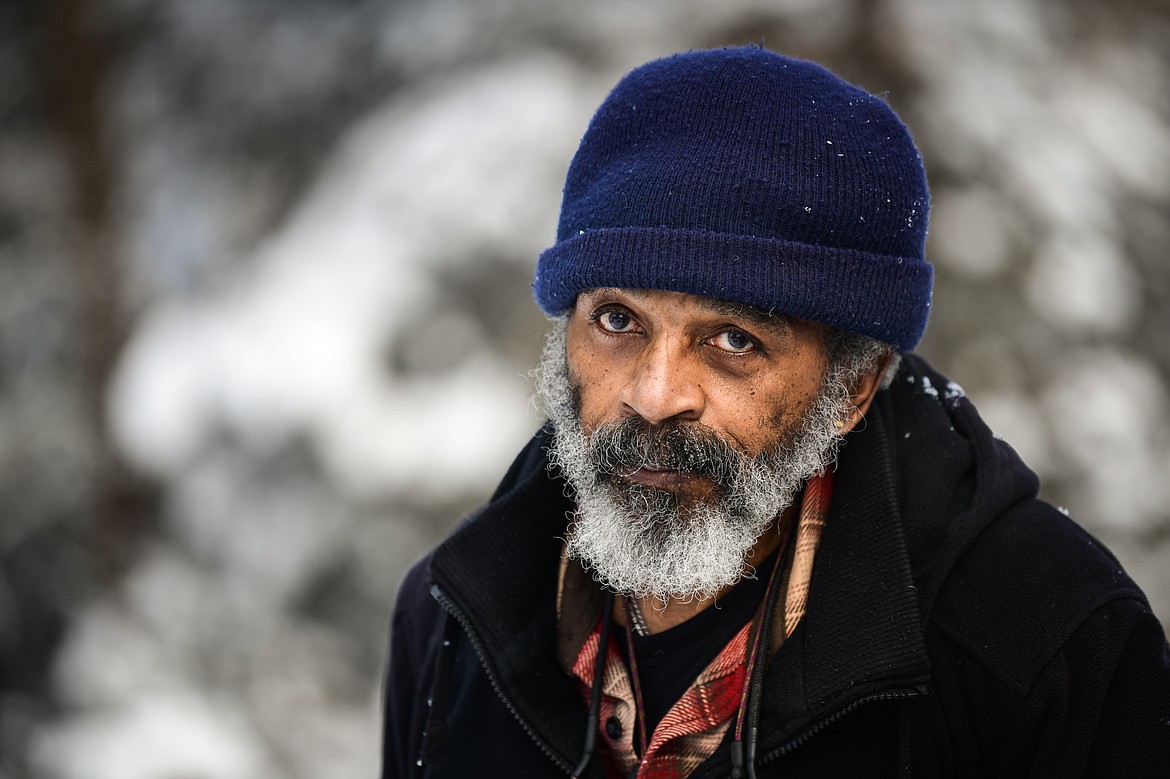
672, 356
685, 427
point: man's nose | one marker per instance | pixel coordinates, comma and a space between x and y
666, 382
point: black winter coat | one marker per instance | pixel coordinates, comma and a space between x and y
957, 626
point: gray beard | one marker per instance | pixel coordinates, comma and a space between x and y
641, 541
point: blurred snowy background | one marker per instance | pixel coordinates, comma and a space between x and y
265, 317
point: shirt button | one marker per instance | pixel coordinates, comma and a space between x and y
613, 728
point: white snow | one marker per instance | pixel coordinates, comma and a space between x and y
296, 346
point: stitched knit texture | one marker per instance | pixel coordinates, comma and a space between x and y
743, 175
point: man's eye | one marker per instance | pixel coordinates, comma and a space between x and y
734, 341
615, 321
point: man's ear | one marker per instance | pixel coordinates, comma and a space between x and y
863, 391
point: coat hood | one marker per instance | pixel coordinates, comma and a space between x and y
952, 475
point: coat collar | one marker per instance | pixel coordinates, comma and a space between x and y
863, 631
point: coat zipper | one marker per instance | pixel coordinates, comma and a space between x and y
453, 610
806, 736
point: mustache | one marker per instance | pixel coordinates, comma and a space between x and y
622, 447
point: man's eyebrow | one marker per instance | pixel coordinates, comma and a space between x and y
773, 320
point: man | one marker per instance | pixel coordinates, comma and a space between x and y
758, 536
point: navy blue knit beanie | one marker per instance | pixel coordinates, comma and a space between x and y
743, 175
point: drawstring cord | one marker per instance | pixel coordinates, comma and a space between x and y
639, 701
743, 751
594, 722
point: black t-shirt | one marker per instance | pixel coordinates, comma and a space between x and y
670, 661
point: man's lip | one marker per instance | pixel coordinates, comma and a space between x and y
662, 479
